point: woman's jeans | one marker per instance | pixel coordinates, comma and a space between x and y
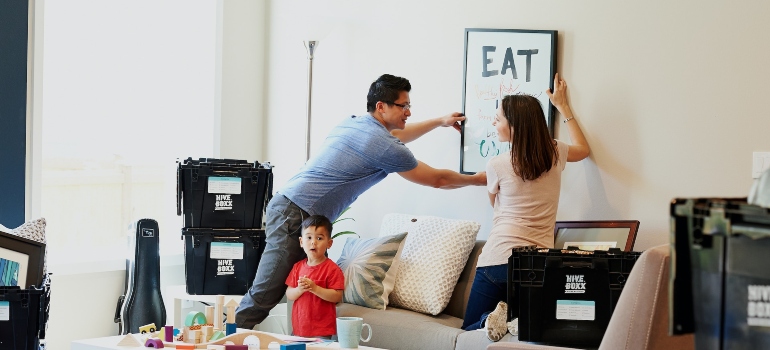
489, 288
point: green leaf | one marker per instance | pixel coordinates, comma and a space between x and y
342, 213
343, 219
344, 233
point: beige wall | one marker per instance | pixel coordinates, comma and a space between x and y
669, 95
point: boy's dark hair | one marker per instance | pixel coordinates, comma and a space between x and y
386, 88
318, 221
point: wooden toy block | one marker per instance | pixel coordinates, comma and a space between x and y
206, 332
185, 346
217, 335
153, 343
193, 318
209, 312
236, 347
293, 346
215, 347
218, 312
168, 333
148, 328
231, 306
129, 340
230, 328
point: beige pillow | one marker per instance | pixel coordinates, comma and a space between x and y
434, 254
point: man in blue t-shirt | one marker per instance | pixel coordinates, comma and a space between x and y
357, 154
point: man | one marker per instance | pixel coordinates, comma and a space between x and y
357, 154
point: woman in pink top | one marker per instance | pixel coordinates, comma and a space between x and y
523, 187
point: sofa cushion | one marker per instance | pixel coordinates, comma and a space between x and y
434, 254
366, 263
32, 230
401, 329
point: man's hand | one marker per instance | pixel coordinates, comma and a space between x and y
453, 120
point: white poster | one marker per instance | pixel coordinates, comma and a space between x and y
500, 62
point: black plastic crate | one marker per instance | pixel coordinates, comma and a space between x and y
721, 245
26, 317
566, 296
221, 261
223, 193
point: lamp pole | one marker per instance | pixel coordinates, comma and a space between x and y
310, 45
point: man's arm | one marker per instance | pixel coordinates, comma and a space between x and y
413, 131
424, 175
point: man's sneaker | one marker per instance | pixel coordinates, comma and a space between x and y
513, 326
495, 324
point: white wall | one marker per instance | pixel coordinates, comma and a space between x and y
669, 95
90, 298
242, 88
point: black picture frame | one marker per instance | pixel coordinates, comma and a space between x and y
35, 252
582, 231
528, 60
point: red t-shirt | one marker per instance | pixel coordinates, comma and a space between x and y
311, 315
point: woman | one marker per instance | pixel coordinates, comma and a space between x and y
524, 190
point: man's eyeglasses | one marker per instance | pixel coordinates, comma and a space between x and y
404, 106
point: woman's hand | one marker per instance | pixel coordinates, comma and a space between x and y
559, 96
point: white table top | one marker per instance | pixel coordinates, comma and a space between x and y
111, 343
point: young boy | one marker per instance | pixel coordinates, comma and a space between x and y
316, 283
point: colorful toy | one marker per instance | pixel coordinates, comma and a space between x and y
153, 343
148, 328
129, 340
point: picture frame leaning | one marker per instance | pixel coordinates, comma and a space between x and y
21, 261
500, 62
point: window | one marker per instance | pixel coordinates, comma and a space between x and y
128, 88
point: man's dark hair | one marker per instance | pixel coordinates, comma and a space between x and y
386, 88
318, 221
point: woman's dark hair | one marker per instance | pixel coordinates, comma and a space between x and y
533, 151
386, 88
318, 221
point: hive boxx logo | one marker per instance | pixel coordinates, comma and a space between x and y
758, 306
223, 202
575, 284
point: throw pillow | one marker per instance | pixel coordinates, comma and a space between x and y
34, 230
434, 254
365, 264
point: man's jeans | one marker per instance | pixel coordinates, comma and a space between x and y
489, 288
282, 251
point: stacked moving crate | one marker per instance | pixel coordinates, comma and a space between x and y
223, 203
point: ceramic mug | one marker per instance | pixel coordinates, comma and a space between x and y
349, 331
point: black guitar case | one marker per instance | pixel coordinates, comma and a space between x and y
142, 302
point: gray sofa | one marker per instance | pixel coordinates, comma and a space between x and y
640, 320
400, 329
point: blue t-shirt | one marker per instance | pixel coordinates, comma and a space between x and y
356, 155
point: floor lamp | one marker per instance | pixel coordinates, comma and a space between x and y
310, 45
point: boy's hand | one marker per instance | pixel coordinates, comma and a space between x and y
306, 283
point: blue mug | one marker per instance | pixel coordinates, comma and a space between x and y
349, 331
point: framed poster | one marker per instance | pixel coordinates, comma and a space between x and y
500, 62
21, 261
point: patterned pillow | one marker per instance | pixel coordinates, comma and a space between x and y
33, 230
366, 264
434, 255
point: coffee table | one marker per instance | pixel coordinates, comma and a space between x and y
111, 343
